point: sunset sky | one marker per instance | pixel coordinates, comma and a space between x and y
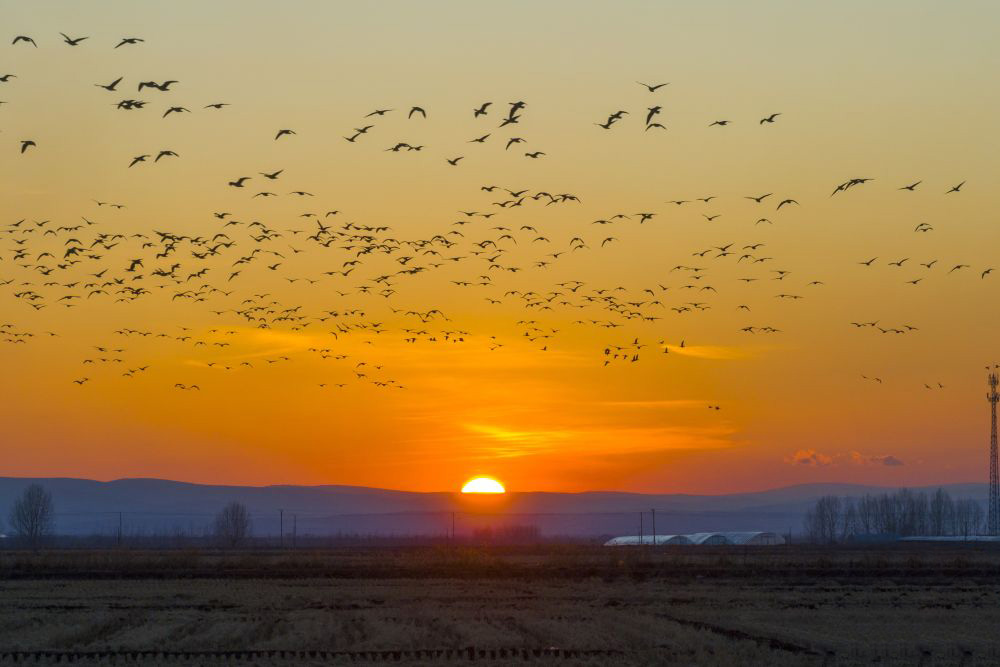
513, 384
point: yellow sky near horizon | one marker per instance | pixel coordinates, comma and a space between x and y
500, 383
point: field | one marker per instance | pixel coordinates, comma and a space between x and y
935, 604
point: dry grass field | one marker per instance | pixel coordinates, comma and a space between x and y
575, 605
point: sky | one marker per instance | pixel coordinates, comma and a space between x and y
463, 344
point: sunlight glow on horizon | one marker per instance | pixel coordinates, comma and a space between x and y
483, 485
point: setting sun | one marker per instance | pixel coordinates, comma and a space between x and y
483, 485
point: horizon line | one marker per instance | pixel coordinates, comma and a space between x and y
516, 492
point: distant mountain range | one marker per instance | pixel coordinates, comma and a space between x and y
157, 506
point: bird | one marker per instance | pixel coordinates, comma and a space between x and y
137, 159
283, 133
238, 183
454, 161
786, 201
418, 110
216, 105
481, 111
25, 39
652, 88
26, 144
5, 78
111, 86
956, 188
911, 187
769, 119
760, 198
72, 41
129, 40
273, 175
162, 87
721, 123
535, 154
175, 110
165, 153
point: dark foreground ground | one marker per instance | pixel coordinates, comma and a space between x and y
915, 605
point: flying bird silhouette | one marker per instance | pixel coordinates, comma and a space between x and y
111, 86
129, 40
652, 88
72, 41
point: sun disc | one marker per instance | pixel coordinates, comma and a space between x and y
483, 485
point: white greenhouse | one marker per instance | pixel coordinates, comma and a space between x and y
748, 538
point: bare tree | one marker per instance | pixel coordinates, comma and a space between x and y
942, 518
968, 517
848, 521
232, 524
823, 521
33, 515
867, 514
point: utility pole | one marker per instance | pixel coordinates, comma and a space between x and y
281, 529
992, 518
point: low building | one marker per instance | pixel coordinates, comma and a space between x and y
748, 538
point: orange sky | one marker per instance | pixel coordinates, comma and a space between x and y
513, 383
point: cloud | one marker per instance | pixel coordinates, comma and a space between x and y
809, 457
657, 404
716, 352
885, 459
591, 440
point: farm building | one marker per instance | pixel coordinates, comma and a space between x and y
748, 538
647, 539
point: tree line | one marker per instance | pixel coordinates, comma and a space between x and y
32, 520
901, 513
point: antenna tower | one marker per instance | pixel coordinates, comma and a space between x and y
992, 516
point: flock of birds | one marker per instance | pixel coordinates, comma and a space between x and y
48, 264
